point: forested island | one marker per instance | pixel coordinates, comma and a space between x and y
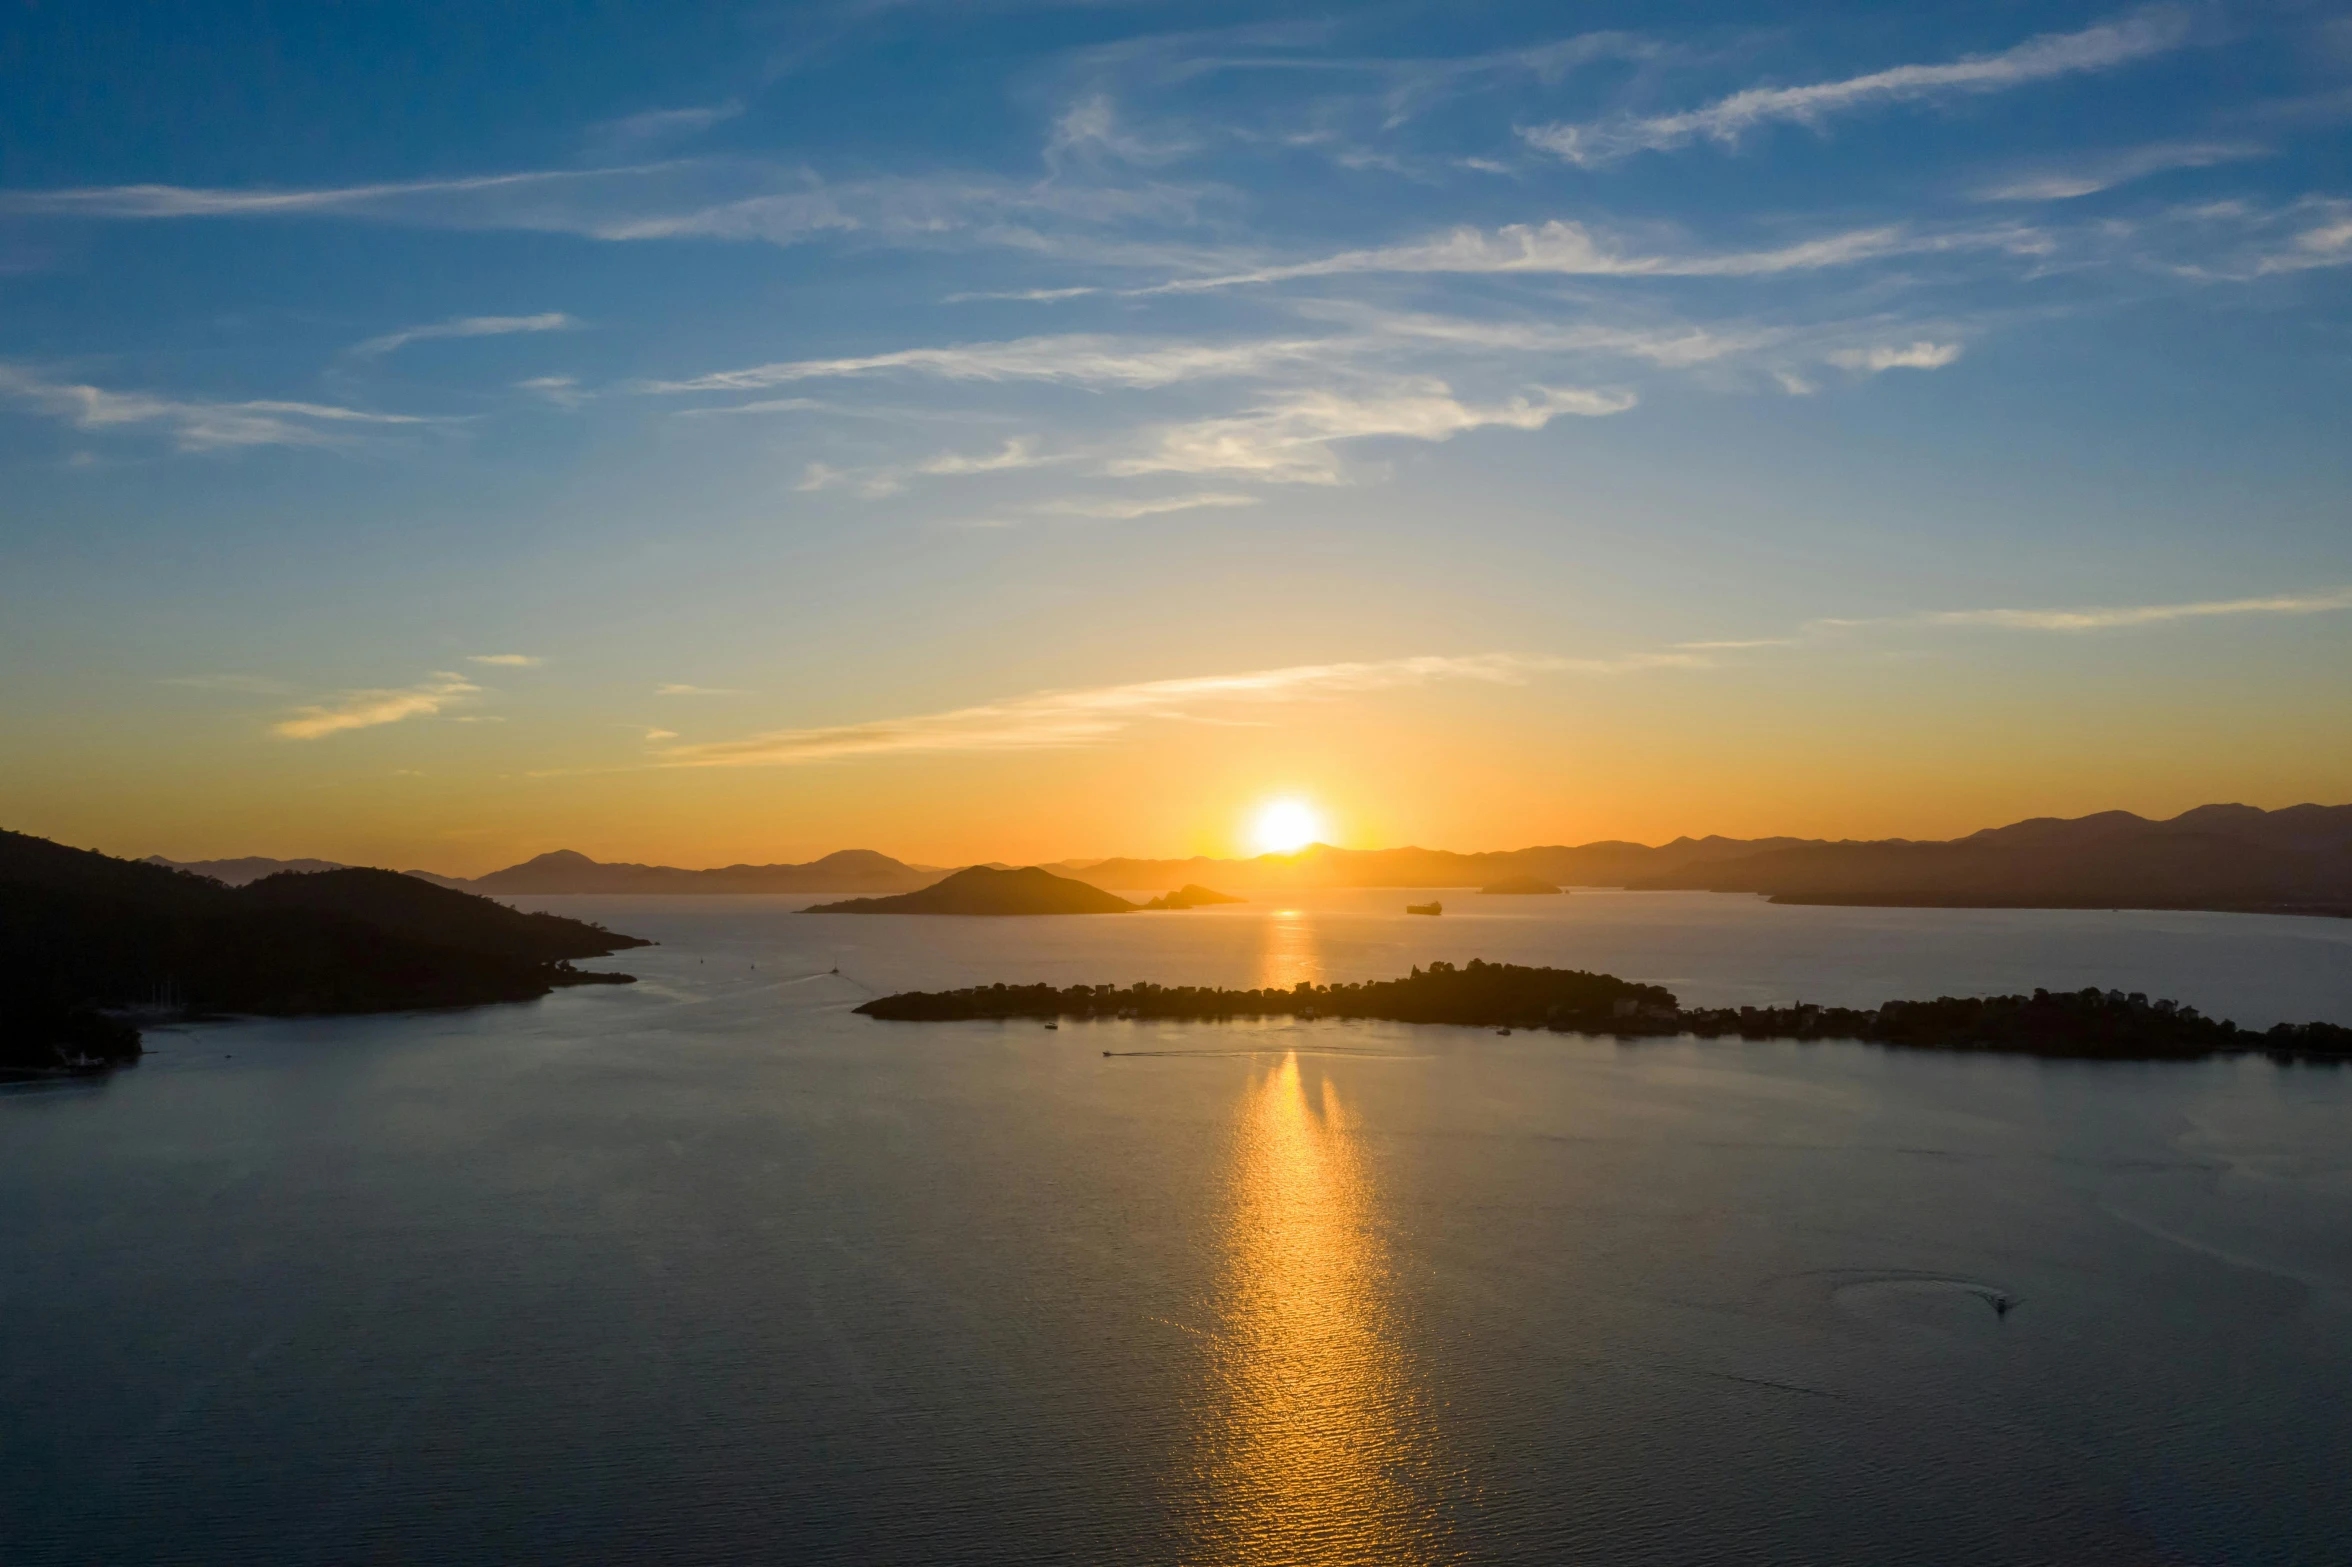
2085, 1024
89, 942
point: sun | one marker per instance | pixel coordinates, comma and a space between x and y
1285, 827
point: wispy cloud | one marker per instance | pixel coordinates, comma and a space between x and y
1126, 508
2245, 241
182, 201
1915, 356
1075, 359
1292, 440
466, 326
2327, 243
2053, 55
1073, 718
195, 426
1411, 86
685, 690
368, 709
507, 660
2113, 617
1561, 248
684, 199
633, 135
1090, 131
1671, 345
1020, 452
2101, 617
562, 390
2104, 171
872, 483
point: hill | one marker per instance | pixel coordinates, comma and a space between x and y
2220, 857
982, 890
82, 932
848, 870
1519, 886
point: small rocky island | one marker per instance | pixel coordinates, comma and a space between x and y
1192, 895
2085, 1024
90, 944
981, 890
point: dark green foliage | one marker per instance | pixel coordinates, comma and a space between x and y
2087, 1024
1483, 993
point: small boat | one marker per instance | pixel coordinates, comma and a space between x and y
1053, 1025
1424, 908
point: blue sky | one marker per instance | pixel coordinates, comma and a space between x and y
896, 406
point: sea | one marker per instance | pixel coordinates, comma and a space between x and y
709, 1269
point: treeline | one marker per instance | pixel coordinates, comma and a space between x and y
85, 937
2086, 1024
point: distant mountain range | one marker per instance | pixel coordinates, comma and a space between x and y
849, 870
253, 867
2223, 857
1607, 864
2226, 857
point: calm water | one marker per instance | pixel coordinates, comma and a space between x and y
708, 1270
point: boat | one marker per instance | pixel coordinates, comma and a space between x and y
1424, 908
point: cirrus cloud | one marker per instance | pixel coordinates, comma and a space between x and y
368, 709
1047, 720
1726, 120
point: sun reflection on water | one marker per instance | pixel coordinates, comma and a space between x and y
1289, 951
1310, 1450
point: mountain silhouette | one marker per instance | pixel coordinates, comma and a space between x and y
982, 890
83, 932
2219, 857
847, 870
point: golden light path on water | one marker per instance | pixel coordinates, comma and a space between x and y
1310, 1447
1288, 952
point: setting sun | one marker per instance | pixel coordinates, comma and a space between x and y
1284, 827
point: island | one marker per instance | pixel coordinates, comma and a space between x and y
91, 944
2085, 1024
1519, 886
1191, 895
981, 889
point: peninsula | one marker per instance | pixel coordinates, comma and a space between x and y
2087, 1024
86, 938
983, 890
